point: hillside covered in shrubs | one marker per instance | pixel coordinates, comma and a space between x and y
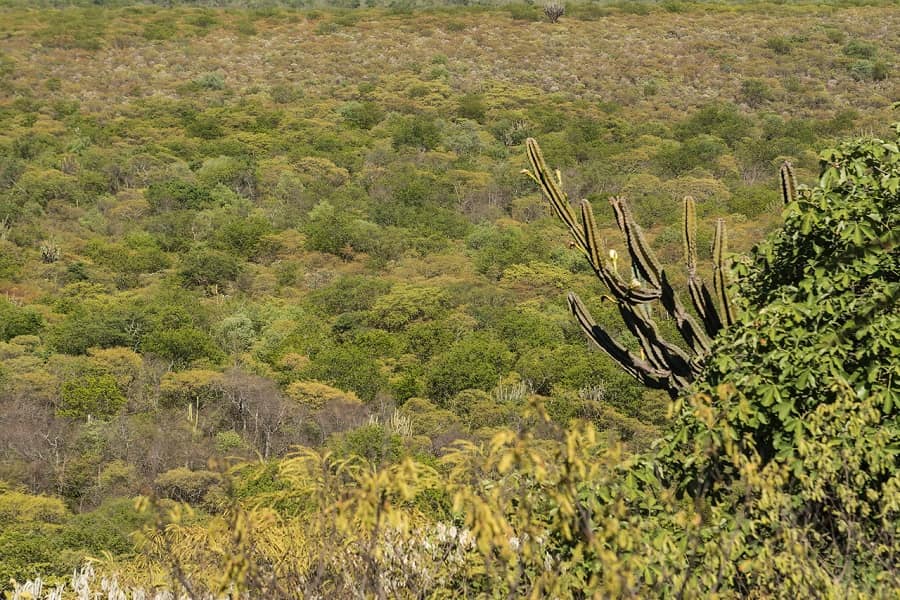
281, 315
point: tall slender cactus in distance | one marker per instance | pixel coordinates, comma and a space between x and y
661, 364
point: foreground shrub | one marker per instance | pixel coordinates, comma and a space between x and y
520, 516
803, 386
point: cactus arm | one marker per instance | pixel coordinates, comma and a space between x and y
641, 255
647, 265
703, 301
553, 190
788, 183
616, 285
700, 296
720, 283
687, 326
585, 235
632, 364
660, 353
689, 233
594, 250
662, 365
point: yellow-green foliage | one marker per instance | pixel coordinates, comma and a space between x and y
428, 419
30, 528
195, 386
314, 395
405, 304
89, 396
122, 363
23, 508
520, 516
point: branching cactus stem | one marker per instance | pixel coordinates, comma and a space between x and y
660, 363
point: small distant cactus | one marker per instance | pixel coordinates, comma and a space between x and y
553, 11
50, 252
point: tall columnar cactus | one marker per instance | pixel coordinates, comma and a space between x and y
661, 364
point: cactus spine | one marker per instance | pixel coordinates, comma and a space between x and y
661, 364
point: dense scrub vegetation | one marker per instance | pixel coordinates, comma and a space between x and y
221, 239
725, 505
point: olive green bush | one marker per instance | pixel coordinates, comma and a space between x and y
89, 396
15, 321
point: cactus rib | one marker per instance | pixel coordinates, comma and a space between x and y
788, 183
700, 296
720, 283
